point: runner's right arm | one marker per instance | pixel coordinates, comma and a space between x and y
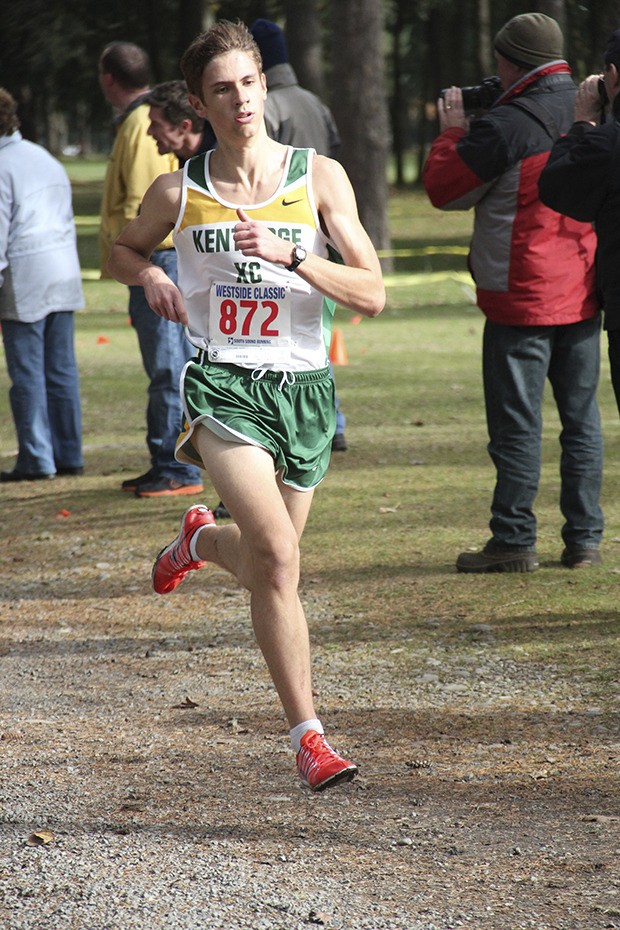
129, 262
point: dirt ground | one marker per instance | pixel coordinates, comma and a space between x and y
487, 796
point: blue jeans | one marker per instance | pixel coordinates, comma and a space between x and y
613, 343
44, 393
165, 350
517, 360
341, 420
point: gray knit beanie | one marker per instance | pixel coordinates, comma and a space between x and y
530, 40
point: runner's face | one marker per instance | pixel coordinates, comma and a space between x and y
233, 95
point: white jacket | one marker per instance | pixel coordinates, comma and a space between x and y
39, 265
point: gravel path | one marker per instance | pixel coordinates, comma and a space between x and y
147, 779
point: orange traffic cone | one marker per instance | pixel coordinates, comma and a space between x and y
337, 351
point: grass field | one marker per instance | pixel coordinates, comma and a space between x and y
142, 733
414, 488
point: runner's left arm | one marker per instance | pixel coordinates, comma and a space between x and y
358, 283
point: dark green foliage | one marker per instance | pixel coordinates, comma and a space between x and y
50, 48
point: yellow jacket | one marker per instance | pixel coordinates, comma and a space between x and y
133, 166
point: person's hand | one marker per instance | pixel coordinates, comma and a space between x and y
253, 237
588, 102
163, 296
450, 110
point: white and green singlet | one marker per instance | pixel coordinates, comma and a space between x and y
244, 310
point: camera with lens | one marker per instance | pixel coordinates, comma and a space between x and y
481, 96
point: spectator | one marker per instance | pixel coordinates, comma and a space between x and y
293, 115
40, 287
177, 128
534, 276
175, 125
582, 180
296, 116
134, 164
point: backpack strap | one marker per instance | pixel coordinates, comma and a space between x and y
540, 113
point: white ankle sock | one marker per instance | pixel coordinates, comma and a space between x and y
193, 541
297, 732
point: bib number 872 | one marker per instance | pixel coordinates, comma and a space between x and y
237, 320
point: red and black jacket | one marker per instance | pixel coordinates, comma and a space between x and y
532, 266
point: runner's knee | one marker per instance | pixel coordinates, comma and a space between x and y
276, 560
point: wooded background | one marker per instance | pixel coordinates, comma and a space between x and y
379, 64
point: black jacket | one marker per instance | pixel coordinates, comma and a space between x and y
582, 180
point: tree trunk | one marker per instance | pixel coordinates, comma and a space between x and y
303, 35
360, 108
486, 63
193, 18
610, 16
554, 8
398, 104
605, 20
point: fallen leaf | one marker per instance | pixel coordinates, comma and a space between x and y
236, 727
187, 705
318, 917
389, 509
40, 838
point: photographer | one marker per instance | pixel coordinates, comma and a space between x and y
534, 276
582, 180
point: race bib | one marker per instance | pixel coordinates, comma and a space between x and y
249, 324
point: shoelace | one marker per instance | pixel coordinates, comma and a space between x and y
180, 557
310, 757
307, 763
258, 373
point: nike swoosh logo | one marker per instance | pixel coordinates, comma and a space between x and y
288, 203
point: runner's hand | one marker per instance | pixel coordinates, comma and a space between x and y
164, 297
253, 237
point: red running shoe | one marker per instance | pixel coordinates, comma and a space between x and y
175, 561
319, 766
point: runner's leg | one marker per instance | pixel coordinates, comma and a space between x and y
261, 549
